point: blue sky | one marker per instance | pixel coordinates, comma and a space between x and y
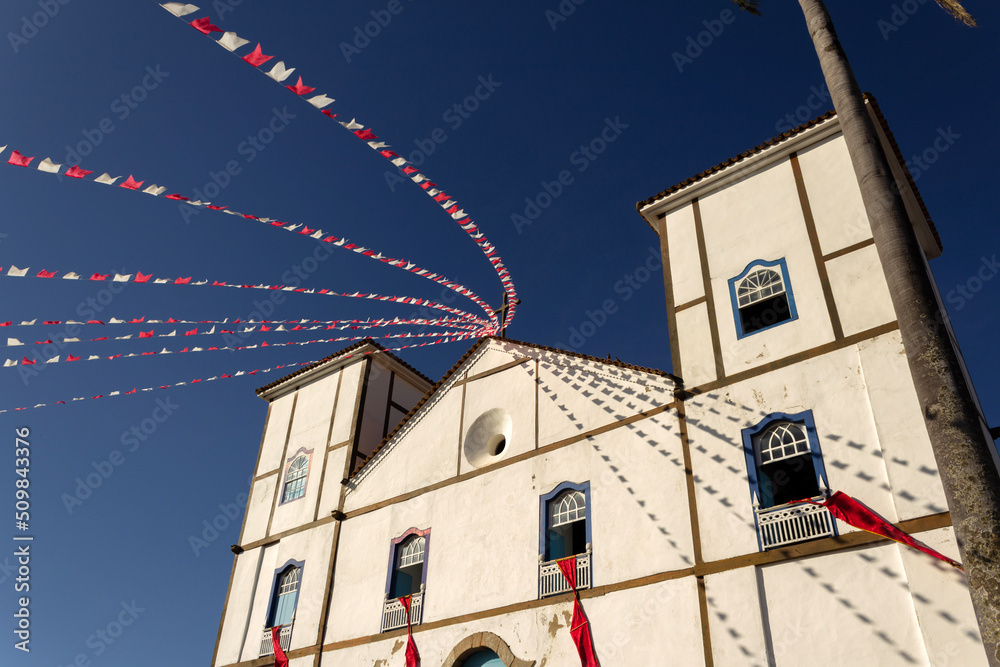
548, 83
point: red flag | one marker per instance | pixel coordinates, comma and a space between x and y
46, 274
257, 58
854, 513
52, 322
192, 332
280, 659
19, 160
171, 320
131, 183
411, 170
70, 357
76, 172
146, 334
25, 361
412, 656
139, 278
365, 135
579, 627
329, 113
300, 88
204, 26
6, 324
177, 197
182, 281
216, 208
98, 276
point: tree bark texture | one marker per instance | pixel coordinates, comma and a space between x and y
957, 432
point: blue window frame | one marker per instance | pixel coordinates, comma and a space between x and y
285, 593
761, 297
784, 461
408, 564
296, 474
564, 521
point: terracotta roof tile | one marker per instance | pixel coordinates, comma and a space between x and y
787, 135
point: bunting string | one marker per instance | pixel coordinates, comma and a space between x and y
47, 166
279, 73
224, 376
446, 336
140, 278
340, 324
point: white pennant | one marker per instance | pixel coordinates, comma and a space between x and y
53, 360
353, 125
179, 9
154, 190
71, 276
119, 278
9, 362
279, 73
232, 41
320, 101
49, 166
106, 179
11, 342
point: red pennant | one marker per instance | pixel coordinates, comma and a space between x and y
46, 274
280, 659
441, 197
410, 170
147, 353
139, 278
95, 322
579, 628
76, 172
216, 283
19, 160
25, 361
52, 322
5, 324
388, 155
191, 333
137, 320
182, 281
43, 342
146, 334
131, 183
307, 230
300, 88
98, 276
216, 208
329, 113
172, 320
177, 197
257, 58
264, 327
852, 512
131, 392
70, 357
102, 338
365, 134
204, 26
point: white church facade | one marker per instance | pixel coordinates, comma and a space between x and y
672, 492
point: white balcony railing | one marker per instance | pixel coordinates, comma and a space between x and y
394, 614
788, 524
284, 640
552, 582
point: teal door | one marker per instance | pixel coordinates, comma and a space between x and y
483, 658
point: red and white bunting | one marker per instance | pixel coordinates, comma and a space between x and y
280, 73
311, 232
139, 277
218, 377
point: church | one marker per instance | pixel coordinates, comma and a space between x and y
387, 509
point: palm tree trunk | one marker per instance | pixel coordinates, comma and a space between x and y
964, 455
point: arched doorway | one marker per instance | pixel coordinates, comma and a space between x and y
483, 658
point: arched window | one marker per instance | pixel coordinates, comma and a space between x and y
408, 572
286, 595
762, 297
295, 478
483, 658
784, 460
567, 520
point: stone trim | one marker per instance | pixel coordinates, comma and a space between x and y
470, 644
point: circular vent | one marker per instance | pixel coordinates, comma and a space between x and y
488, 438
